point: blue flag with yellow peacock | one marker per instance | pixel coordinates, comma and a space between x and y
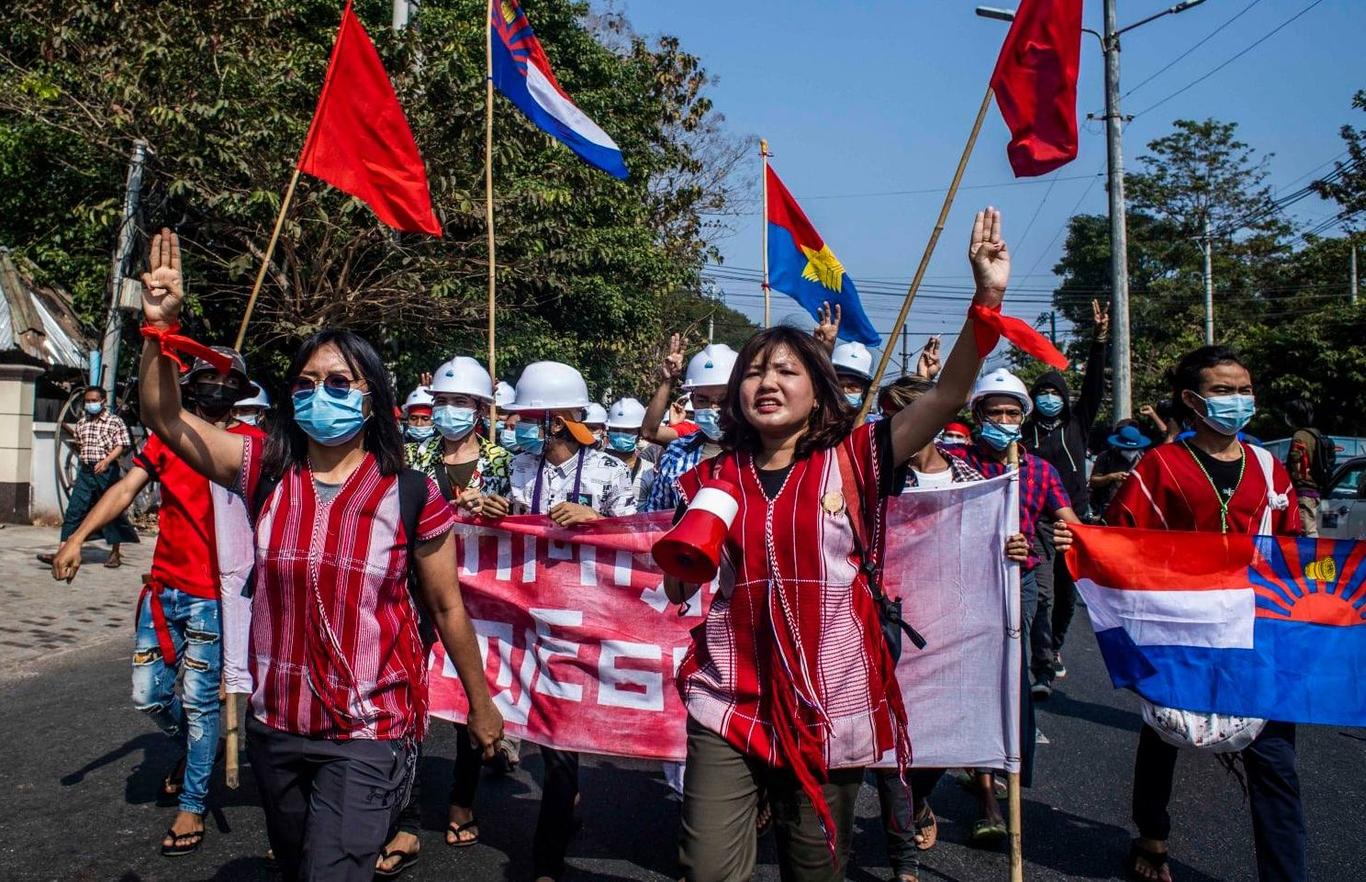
804, 268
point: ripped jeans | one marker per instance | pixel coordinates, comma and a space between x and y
191, 719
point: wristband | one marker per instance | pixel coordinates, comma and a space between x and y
989, 326
173, 345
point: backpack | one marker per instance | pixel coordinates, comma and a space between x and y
1325, 460
412, 496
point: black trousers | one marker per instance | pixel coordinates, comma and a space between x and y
555, 823
898, 813
1057, 605
1273, 788
328, 803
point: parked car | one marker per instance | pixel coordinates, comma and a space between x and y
1347, 447
1342, 511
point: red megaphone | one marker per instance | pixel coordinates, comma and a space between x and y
691, 551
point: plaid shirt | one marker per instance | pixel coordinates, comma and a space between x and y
679, 457
335, 651
99, 435
1041, 490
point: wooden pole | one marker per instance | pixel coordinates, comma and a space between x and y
1013, 778
763, 226
488, 198
265, 261
232, 728
871, 395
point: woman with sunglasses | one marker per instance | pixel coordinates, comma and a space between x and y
790, 685
340, 673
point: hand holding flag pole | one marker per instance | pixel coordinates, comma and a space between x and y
1013, 797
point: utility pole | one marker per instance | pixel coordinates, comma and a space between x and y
1053, 326
1120, 378
1209, 283
123, 254
402, 10
905, 351
1354, 274
711, 327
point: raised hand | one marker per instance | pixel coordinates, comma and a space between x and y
424, 379
162, 291
929, 364
1100, 318
827, 328
671, 368
989, 258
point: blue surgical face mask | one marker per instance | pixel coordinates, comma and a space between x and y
621, 442
854, 399
93, 408
999, 436
1048, 403
419, 433
708, 419
327, 419
530, 438
1228, 414
453, 422
250, 419
507, 438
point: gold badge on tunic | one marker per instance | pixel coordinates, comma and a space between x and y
833, 502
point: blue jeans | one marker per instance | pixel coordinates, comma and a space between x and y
192, 718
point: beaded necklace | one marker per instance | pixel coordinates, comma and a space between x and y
1219, 497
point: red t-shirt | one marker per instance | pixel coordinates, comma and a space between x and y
184, 557
684, 428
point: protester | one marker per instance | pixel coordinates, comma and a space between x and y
1163, 420
253, 411
178, 633
339, 668
561, 475
755, 681
1218, 484
911, 827
1310, 462
595, 418
466, 467
854, 368
1056, 431
1123, 450
102, 438
705, 381
956, 435
624, 420
417, 417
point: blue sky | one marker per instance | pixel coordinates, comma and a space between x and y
878, 97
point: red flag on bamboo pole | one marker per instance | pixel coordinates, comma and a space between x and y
359, 141
1036, 85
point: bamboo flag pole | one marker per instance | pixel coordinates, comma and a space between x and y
763, 226
233, 728
1013, 778
265, 261
488, 196
871, 395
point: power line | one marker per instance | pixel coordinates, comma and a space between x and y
1178, 59
1200, 79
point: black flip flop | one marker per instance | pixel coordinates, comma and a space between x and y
1156, 861
175, 850
405, 860
457, 829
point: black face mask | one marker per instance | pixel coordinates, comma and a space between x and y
214, 400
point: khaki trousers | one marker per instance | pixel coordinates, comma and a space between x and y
721, 792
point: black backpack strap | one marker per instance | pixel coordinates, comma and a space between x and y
443, 482
412, 497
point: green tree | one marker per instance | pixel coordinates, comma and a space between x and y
223, 92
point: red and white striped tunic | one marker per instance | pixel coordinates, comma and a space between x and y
790, 665
335, 651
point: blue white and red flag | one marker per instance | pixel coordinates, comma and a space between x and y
1255, 626
522, 72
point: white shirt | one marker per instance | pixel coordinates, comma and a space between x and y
927, 480
642, 480
605, 487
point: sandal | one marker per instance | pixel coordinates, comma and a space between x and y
176, 849
926, 829
763, 817
470, 826
987, 831
1156, 861
405, 860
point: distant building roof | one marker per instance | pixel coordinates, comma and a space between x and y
39, 322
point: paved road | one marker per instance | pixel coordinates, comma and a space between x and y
79, 770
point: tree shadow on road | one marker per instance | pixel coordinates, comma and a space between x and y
1101, 714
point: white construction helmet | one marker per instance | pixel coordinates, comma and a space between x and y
550, 385
1001, 382
595, 414
462, 375
419, 397
626, 414
711, 366
260, 399
504, 394
853, 358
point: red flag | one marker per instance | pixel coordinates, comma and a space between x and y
1036, 85
359, 141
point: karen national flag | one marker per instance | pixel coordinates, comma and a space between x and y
804, 268
522, 73
1255, 626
